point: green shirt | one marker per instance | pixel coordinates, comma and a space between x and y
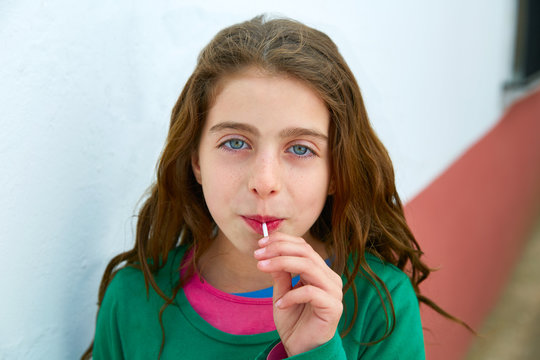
128, 324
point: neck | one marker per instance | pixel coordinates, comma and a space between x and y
232, 270
229, 270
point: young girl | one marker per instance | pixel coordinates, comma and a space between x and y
270, 134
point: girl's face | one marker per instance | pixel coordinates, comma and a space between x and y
263, 157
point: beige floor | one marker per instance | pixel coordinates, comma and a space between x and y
512, 331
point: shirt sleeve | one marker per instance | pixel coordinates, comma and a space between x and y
107, 341
277, 353
332, 350
406, 342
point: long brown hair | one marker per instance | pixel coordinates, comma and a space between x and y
364, 212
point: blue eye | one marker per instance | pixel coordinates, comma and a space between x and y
301, 150
235, 144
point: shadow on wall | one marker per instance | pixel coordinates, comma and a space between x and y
472, 221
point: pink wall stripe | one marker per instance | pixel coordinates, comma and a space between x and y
472, 222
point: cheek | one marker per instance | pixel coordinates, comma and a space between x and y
220, 184
311, 189
314, 203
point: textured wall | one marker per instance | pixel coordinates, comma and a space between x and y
85, 95
473, 221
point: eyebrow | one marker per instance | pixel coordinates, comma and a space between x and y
297, 131
231, 125
287, 132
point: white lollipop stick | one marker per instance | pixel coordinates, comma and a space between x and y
265, 229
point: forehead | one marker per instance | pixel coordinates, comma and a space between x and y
258, 97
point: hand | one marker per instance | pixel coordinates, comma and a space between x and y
307, 315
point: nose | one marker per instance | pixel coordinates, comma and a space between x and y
265, 179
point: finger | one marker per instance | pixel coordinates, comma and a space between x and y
308, 271
283, 244
281, 282
287, 248
325, 305
280, 236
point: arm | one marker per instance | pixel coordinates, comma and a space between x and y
107, 343
307, 315
332, 350
406, 340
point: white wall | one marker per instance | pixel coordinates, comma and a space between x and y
86, 90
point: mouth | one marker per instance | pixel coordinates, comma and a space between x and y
256, 221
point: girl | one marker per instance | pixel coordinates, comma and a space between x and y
270, 134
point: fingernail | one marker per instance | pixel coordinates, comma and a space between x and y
278, 303
263, 241
260, 251
264, 262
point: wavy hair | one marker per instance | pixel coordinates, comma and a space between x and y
364, 213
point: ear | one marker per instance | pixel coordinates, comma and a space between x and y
196, 167
332, 187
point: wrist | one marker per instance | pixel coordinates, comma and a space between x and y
299, 348
331, 350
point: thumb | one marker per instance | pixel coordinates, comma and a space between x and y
282, 284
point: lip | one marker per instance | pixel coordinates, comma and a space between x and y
256, 221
